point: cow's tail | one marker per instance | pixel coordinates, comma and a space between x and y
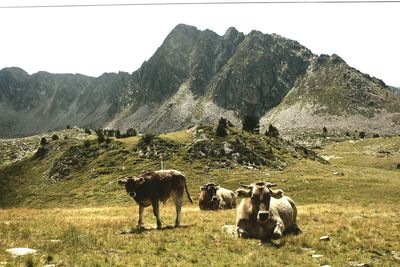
187, 192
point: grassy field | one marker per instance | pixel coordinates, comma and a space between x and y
89, 220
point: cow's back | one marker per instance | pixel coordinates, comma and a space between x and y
285, 208
159, 185
228, 197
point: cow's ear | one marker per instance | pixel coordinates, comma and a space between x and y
121, 181
140, 180
243, 193
276, 193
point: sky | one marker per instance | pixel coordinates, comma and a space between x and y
94, 40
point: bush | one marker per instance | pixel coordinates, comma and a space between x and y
146, 139
251, 124
131, 132
68, 127
87, 131
325, 130
55, 137
361, 135
221, 130
272, 131
375, 135
86, 143
43, 141
109, 132
117, 134
100, 136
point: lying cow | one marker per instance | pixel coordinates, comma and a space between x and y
149, 188
265, 213
214, 197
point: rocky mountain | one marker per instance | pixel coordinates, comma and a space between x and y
197, 77
36, 103
332, 94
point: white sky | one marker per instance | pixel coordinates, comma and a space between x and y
94, 40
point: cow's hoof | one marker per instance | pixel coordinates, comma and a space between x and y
277, 235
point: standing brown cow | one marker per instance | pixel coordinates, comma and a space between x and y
265, 213
149, 188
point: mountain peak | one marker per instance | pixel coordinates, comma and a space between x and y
15, 71
197, 76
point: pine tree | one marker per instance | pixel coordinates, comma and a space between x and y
251, 124
221, 130
272, 131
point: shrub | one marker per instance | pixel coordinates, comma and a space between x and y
251, 124
43, 141
68, 127
375, 135
325, 130
131, 132
221, 128
55, 137
146, 139
361, 135
272, 131
87, 131
86, 143
117, 134
100, 136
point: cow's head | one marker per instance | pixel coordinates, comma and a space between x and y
260, 194
209, 192
131, 184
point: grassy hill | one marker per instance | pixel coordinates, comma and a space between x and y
83, 218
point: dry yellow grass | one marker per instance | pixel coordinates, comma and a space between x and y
359, 211
95, 237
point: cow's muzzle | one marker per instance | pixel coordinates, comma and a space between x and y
263, 216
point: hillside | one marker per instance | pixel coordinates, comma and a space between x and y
85, 218
198, 76
331, 94
78, 162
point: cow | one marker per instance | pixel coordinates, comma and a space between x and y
153, 187
264, 213
214, 197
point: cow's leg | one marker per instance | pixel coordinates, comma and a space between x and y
242, 233
278, 230
156, 211
140, 221
178, 207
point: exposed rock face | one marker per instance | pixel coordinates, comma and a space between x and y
334, 95
260, 73
197, 77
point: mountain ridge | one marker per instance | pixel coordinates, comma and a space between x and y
196, 77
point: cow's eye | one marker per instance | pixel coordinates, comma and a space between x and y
256, 199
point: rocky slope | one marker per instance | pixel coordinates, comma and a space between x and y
331, 94
196, 77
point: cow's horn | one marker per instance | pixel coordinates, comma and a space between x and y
245, 186
270, 185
